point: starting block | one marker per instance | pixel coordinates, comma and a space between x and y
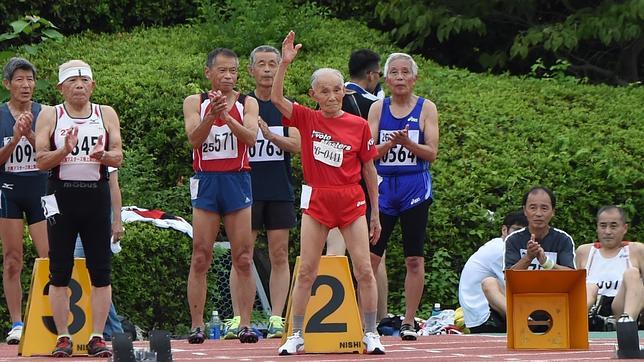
160, 350
39, 333
332, 322
628, 339
560, 295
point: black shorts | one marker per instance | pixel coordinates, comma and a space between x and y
84, 209
20, 197
495, 323
273, 215
413, 223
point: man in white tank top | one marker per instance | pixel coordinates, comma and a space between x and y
614, 267
77, 140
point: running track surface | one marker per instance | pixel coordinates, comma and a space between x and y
437, 348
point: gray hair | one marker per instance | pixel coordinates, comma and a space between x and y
16, 63
620, 211
316, 75
264, 49
395, 56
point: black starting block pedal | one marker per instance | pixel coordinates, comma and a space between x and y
628, 338
160, 343
160, 350
122, 348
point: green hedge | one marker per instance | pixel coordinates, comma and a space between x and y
75, 16
500, 135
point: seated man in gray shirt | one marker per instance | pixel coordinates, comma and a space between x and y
539, 246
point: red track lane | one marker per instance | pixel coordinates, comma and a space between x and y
438, 348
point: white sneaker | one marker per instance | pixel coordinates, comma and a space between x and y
14, 335
294, 344
372, 343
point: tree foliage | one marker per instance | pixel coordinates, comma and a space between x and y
602, 40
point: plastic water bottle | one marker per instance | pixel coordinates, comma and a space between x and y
214, 327
436, 310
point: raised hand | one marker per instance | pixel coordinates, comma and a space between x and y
98, 150
218, 104
22, 127
533, 247
263, 126
71, 139
400, 137
289, 49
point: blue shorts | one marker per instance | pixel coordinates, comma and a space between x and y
398, 193
221, 192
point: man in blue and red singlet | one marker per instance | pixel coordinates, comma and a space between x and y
336, 149
221, 124
405, 127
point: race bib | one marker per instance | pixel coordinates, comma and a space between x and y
327, 154
398, 155
87, 139
534, 264
265, 150
220, 144
23, 157
49, 205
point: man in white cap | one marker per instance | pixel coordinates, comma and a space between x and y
77, 141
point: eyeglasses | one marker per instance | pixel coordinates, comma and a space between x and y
380, 73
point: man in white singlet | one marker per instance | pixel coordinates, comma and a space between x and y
614, 267
77, 141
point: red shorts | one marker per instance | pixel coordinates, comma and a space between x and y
334, 206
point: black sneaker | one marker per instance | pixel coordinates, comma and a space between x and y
408, 332
64, 347
247, 335
197, 336
97, 348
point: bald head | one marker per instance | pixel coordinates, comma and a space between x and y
326, 73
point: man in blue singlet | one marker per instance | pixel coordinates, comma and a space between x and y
405, 128
22, 184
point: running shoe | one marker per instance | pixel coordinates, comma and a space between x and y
197, 336
14, 335
372, 343
231, 327
96, 347
64, 347
247, 335
294, 344
275, 327
408, 332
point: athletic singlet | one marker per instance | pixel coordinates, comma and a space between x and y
221, 151
400, 160
607, 272
270, 166
22, 160
77, 165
